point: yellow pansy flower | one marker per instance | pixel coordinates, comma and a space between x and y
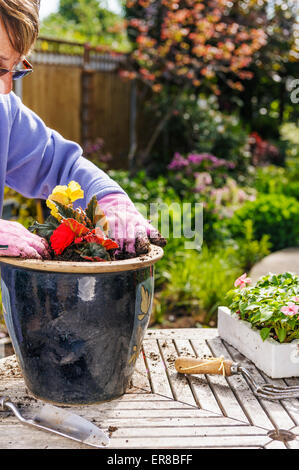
59, 194
74, 191
54, 210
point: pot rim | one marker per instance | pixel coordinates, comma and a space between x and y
85, 267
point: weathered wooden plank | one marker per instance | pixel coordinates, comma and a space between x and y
251, 406
274, 410
6, 348
179, 383
216, 431
175, 425
190, 442
181, 333
292, 406
157, 369
170, 413
21, 437
123, 414
293, 444
228, 402
199, 384
140, 380
275, 445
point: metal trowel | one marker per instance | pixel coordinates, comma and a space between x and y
62, 422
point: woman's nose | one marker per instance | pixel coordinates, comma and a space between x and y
6, 84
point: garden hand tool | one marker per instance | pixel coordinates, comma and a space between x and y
61, 422
221, 366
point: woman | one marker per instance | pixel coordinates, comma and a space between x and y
34, 159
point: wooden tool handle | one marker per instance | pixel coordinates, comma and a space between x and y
217, 365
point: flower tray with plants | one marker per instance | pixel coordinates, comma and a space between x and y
75, 234
262, 322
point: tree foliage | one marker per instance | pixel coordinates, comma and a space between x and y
191, 42
86, 21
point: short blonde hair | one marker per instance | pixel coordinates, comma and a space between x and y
21, 21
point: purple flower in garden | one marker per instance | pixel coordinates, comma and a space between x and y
203, 160
196, 159
202, 180
178, 162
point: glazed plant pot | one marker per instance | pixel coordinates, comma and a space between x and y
77, 327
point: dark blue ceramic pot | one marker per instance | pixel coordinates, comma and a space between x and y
77, 328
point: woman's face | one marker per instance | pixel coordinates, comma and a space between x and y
9, 58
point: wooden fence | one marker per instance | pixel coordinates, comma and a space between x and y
77, 91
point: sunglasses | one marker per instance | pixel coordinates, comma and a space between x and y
21, 70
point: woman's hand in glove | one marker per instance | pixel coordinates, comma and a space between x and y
128, 227
17, 241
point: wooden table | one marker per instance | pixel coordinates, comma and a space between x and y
166, 410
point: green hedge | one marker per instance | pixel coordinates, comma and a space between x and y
276, 215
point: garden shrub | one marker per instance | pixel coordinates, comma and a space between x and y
198, 281
274, 179
276, 215
198, 126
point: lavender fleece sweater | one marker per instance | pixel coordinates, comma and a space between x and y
34, 159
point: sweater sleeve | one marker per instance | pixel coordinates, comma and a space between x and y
39, 159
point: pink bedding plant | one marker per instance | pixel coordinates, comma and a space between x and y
271, 305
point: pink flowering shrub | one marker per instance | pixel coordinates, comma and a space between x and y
271, 305
209, 178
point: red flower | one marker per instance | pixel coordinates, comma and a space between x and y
78, 229
70, 231
110, 244
61, 238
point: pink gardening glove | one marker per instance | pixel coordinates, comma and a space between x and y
128, 227
20, 242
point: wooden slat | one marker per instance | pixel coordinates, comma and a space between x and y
140, 380
292, 406
157, 370
158, 421
209, 431
293, 444
190, 442
199, 384
20, 437
227, 399
179, 383
274, 410
56, 98
275, 445
182, 333
251, 406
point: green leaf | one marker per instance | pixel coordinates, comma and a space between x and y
265, 333
266, 313
252, 307
281, 333
94, 250
45, 230
242, 306
69, 213
91, 209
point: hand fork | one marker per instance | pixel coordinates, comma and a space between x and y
221, 366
